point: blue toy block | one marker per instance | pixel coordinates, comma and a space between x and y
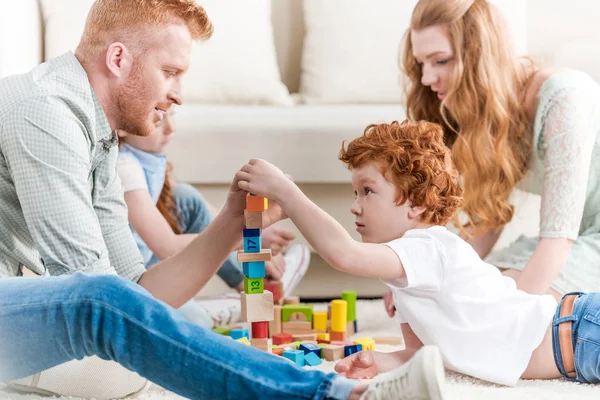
312, 360
296, 356
355, 326
355, 348
252, 244
310, 348
239, 333
252, 232
254, 269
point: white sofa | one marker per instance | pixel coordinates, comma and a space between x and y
292, 106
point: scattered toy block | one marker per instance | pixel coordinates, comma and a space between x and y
253, 285
263, 255
293, 309
350, 297
337, 336
319, 320
261, 344
260, 330
295, 356
255, 203
312, 360
296, 327
354, 348
350, 328
282, 338
244, 340
339, 315
221, 331
257, 307
277, 289
321, 346
392, 340
253, 220
310, 348
254, 270
332, 352
239, 333
367, 343
275, 325
277, 351
291, 300
304, 337
323, 336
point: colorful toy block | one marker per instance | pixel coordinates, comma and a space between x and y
293, 327
355, 326
282, 338
332, 352
252, 244
253, 285
277, 351
337, 336
350, 297
244, 340
354, 348
221, 330
255, 203
296, 356
261, 344
366, 343
305, 337
257, 307
263, 255
339, 315
319, 320
350, 328
260, 330
275, 325
310, 348
277, 289
323, 336
290, 309
312, 360
254, 270
253, 220
239, 333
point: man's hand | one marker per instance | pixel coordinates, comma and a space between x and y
359, 365
276, 239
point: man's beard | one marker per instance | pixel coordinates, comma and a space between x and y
133, 107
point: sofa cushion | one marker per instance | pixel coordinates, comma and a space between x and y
212, 142
237, 65
20, 36
351, 48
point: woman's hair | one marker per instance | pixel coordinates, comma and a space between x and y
415, 159
129, 21
485, 123
166, 205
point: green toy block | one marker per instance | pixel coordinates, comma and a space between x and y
323, 345
254, 285
289, 309
350, 297
221, 331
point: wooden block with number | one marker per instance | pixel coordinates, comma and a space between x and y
264, 255
275, 325
253, 285
393, 340
255, 203
253, 220
257, 307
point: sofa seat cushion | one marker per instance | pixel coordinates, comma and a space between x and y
212, 142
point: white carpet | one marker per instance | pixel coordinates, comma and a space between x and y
372, 321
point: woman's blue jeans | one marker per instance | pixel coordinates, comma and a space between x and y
194, 217
48, 321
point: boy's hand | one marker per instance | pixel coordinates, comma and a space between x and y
359, 365
276, 239
263, 179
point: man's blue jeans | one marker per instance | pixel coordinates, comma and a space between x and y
194, 217
48, 321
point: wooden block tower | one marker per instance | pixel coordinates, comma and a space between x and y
257, 303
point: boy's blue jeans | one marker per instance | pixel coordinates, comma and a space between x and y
48, 321
194, 218
585, 332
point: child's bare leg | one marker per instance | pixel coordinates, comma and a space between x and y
542, 365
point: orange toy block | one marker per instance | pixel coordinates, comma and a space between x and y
277, 351
253, 220
257, 307
336, 336
264, 255
255, 203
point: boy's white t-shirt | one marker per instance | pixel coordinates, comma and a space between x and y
483, 325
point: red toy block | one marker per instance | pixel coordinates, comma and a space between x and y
282, 338
319, 341
260, 330
277, 351
276, 288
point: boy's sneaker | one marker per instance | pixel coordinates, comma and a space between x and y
297, 259
421, 378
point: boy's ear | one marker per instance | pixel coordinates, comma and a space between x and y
415, 212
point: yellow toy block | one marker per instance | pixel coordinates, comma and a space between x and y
367, 343
320, 320
244, 341
266, 204
323, 336
339, 314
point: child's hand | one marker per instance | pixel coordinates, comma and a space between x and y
276, 239
263, 179
388, 302
359, 365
